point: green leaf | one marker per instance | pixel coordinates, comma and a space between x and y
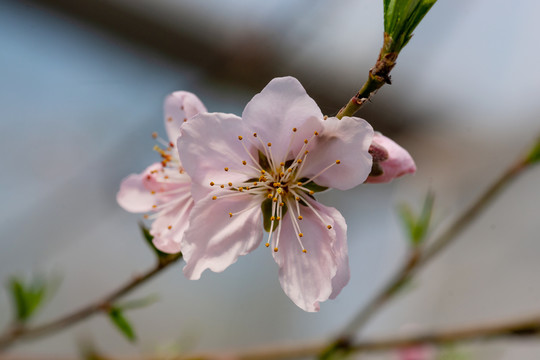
263, 161
266, 208
27, 298
312, 186
149, 240
534, 154
137, 303
119, 320
401, 17
417, 226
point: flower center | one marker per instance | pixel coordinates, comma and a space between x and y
279, 184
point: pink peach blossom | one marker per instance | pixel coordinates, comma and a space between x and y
164, 188
265, 168
389, 159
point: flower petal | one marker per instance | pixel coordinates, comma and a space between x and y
208, 145
177, 218
321, 272
343, 273
134, 194
281, 106
179, 107
214, 239
346, 140
399, 161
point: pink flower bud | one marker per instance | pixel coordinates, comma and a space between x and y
389, 160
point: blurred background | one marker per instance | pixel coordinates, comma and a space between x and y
81, 91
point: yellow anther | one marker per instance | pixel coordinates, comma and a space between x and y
297, 198
272, 218
304, 251
274, 199
230, 214
169, 227
279, 190
269, 144
214, 197
276, 184
275, 249
299, 183
269, 196
267, 244
281, 164
240, 137
212, 183
230, 184
315, 133
311, 192
244, 162
166, 177
145, 216
154, 135
185, 119
222, 186
154, 206
299, 161
278, 218
240, 189
226, 169
305, 141
255, 134
306, 152
281, 174
247, 187
281, 204
152, 192
300, 217
325, 117
294, 129
338, 161
255, 183
300, 235
263, 172
289, 170
328, 227
169, 119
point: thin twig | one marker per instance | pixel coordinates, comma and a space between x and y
15, 334
522, 328
528, 326
418, 257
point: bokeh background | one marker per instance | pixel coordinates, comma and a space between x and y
81, 91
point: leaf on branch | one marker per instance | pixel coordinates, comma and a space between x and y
401, 17
534, 154
417, 226
149, 240
137, 303
122, 324
28, 297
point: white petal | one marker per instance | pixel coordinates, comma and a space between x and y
321, 272
208, 145
214, 240
180, 106
168, 240
346, 140
135, 192
281, 106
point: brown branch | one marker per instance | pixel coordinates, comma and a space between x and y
528, 326
510, 329
420, 257
18, 333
